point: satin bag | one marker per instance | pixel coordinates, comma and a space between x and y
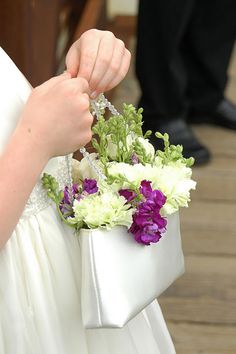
121, 277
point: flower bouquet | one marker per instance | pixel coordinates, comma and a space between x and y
124, 204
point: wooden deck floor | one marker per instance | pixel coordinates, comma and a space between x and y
200, 308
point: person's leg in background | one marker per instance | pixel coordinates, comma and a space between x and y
161, 71
206, 50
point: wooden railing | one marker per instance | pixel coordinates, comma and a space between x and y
37, 33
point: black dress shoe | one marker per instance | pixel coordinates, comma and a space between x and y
224, 115
180, 133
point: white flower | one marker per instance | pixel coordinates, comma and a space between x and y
105, 210
133, 173
174, 180
112, 148
84, 170
76, 176
158, 161
130, 139
149, 148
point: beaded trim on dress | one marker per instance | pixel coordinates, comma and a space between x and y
38, 199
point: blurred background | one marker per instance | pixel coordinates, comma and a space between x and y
200, 308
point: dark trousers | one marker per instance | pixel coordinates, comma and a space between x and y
183, 51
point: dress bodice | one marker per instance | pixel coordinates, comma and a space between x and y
14, 92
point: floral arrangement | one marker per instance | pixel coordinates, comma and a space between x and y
136, 187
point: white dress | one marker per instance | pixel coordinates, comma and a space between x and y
40, 270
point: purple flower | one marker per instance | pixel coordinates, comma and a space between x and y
147, 231
66, 202
160, 221
75, 189
76, 192
149, 234
145, 188
90, 186
152, 196
134, 159
141, 220
158, 198
148, 225
67, 197
128, 194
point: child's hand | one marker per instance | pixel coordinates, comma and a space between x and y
56, 119
100, 58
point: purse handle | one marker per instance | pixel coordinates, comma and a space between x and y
98, 106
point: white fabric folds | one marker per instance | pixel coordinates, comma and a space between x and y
121, 277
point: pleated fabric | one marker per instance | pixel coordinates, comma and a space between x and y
40, 298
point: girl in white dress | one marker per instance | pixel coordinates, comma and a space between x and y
40, 257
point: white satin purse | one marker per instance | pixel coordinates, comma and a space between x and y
121, 277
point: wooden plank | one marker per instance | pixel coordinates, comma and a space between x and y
24, 26
124, 27
208, 215
208, 242
94, 16
202, 310
221, 142
12, 30
40, 53
217, 180
203, 339
206, 293
230, 91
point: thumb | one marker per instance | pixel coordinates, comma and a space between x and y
73, 59
56, 80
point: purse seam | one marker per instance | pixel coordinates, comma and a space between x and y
94, 275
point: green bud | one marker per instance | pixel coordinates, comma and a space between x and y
51, 196
60, 195
147, 134
190, 161
159, 135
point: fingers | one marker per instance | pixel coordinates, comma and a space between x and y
72, 59
65, 86
75, 86
81, 57
116, 79
113, 69
55, 80
89, 49
103, 60
100, 58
